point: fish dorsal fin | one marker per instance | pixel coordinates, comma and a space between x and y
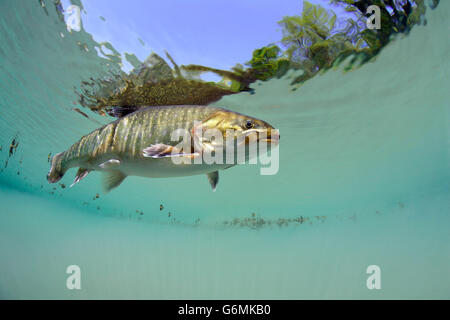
213, 178
120, 112
112, 179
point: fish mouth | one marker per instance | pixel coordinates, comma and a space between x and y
270, 140
270, 136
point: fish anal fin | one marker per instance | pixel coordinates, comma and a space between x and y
81, 174
112, 179
213, 178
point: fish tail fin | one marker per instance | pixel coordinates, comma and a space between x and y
56, 171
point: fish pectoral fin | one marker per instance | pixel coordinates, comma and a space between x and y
213, 178
112, 179
109, 164
161, 150
81, 173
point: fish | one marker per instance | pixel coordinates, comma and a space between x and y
141, 143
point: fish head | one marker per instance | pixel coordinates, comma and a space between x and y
238, 130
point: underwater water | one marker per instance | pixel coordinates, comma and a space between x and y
364, 179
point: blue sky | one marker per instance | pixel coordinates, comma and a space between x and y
216, 33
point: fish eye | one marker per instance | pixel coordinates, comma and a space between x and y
249, 124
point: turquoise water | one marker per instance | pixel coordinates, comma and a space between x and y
364, 160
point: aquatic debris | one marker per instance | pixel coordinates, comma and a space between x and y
83, 46
80, 112
320, 218
13, 146
85, 115
59, 10
42, 4
12, 149
96, 196
49, 157
256, 222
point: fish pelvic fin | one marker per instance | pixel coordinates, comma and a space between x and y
109, 164
56, 170
213, 178
112, 179
81, 174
